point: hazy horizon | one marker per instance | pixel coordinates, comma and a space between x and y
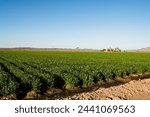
91, 24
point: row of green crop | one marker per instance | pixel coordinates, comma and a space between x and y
7, 83
25, 72
75, 75
26, 81
83, 75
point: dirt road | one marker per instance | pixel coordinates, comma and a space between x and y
134, 90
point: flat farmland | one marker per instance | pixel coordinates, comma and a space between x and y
39, 71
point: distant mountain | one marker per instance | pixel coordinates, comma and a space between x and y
147, 49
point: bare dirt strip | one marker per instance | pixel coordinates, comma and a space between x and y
134, 90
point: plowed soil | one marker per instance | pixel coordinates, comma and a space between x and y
134, 90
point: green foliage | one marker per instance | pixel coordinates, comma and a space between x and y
23, 71
7, 83
71, 81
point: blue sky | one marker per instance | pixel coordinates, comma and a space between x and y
95, 24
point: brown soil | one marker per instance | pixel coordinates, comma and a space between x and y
134, 90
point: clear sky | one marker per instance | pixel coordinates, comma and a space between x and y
95, 24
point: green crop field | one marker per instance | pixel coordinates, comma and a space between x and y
23, 71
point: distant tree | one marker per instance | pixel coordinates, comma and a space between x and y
103, 50
113, 50
77, 48
117, 50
